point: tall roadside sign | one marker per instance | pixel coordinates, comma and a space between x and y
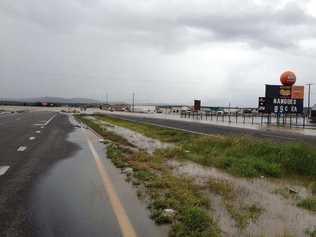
283, 99
262, 107
197, 105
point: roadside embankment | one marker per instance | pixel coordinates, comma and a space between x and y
215, 185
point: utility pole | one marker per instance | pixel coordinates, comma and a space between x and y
229, 112
133, 104
309, 98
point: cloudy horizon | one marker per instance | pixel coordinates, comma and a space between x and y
165, 51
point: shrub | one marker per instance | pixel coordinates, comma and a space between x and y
308, 203
251, 167
195, 222
313, 186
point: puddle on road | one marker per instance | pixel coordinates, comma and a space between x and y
71, 201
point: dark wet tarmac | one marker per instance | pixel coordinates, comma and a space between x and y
70, 199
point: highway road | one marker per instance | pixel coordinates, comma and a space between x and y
204, 128
56, 181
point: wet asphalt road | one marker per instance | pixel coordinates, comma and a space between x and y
277, 136
53, 187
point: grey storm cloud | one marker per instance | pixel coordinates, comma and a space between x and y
164, 50
170, 23
263, 27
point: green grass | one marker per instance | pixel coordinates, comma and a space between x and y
166, 191
313, 187
311, 232
195, 222
308, 203
241, 156
107, 135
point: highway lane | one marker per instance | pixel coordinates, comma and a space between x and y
26, 166
277, 136
61, 184
4, 117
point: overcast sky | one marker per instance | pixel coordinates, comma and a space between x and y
166, 51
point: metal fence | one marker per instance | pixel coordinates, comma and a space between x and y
285, 120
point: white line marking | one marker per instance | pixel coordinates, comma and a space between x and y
32, 138
38, 131
3, 169
38, 124
125, 225
21, 148
49, 120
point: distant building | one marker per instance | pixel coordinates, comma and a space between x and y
120, 107
144, 109
232, 110
167, 109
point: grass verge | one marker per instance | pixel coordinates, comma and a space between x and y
172, 200
166, 191
107, 135
241, 156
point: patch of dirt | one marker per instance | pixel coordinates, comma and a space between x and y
280, 214
226, 223
137, 139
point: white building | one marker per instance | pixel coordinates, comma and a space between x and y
144, 109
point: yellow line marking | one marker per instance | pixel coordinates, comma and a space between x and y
119, 211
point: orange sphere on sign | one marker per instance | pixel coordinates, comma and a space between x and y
288, 78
